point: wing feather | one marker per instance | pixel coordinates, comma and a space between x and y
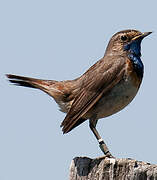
98, 80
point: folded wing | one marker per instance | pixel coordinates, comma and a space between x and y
98, 80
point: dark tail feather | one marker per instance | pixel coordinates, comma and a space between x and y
30, 82
23, 81
48, 86
12, 76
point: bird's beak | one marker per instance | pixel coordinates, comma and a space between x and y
141, 36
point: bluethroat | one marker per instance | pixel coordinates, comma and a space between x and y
104, 89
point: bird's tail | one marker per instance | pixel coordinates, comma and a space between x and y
43, 85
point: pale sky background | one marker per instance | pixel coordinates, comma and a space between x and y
54, 39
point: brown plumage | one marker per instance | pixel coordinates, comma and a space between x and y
104, 89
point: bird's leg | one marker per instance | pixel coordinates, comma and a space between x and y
102, 145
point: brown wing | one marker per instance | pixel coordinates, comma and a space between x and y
99, 79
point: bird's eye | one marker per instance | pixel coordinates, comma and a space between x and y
123, 38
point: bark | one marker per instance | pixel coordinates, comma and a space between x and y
84, 168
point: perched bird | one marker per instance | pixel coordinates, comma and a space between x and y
104, 89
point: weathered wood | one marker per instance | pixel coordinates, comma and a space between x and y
84, 168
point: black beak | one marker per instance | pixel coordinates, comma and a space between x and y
141, 36
145, 34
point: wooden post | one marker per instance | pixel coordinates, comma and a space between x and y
84, 168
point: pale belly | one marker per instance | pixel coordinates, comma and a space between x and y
115, 100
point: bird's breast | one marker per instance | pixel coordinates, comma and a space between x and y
131, 74
120, 95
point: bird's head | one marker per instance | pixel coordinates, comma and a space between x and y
126, 41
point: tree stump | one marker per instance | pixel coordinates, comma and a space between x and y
84, 168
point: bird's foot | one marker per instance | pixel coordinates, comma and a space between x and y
105, 150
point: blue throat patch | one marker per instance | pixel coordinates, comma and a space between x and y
134, 49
